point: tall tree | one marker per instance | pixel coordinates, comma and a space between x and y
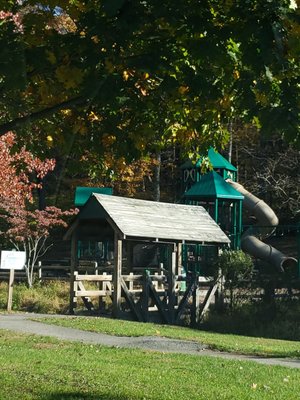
25, 227
148, 72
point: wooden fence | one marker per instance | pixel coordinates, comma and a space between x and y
144, 295
53, 270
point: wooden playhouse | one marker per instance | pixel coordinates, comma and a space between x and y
139, 256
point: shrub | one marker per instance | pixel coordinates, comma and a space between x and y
235, 265
237, 269
256, 319
47, 297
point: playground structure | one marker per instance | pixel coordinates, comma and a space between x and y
153, 287
267, 221
224, 198
152, 257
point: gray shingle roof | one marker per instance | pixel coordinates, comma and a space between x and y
155, 220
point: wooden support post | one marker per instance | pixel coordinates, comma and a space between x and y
145, 296
75, 288
171, 286
101, 302
195, 303
130, 286
129, 255
74, 264
219, 293
179, 259
117, 276
180, 271
96, 266
96, 271
10, 289
155, 283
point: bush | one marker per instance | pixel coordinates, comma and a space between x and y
237, 269
257, 319
48, 297
235, 265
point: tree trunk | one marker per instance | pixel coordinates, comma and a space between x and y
230, 141
156, 177
41, 194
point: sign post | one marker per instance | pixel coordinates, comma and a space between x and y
10, 289
12, 260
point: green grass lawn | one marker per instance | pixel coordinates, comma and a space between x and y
35, 367
223, 342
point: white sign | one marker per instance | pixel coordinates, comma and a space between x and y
12, 259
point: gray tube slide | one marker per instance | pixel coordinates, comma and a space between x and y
251, 240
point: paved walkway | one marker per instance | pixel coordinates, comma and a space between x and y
23, 323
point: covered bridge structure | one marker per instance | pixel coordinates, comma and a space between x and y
140, 254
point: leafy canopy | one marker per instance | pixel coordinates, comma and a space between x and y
135, 75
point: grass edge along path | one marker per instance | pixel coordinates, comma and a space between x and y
216, 341
43, 368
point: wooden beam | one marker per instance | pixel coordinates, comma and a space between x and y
94, 278
92, 293
117, 275
188, 293
171, 286
85, 296
10, 289
158, 302
145, 296
208, 298
129, 255
195, 306
130, 300
132, 278
74, 264
179, 259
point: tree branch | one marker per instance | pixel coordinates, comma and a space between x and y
20, 121
26, 119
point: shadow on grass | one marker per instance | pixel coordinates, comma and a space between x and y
84, 396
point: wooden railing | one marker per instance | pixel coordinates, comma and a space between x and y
144, 293
54, 270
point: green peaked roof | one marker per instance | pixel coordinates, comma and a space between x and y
217, 161
213, 186
83, 193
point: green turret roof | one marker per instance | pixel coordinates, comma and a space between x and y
216, 159
212, 186
83, 193
219, 161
